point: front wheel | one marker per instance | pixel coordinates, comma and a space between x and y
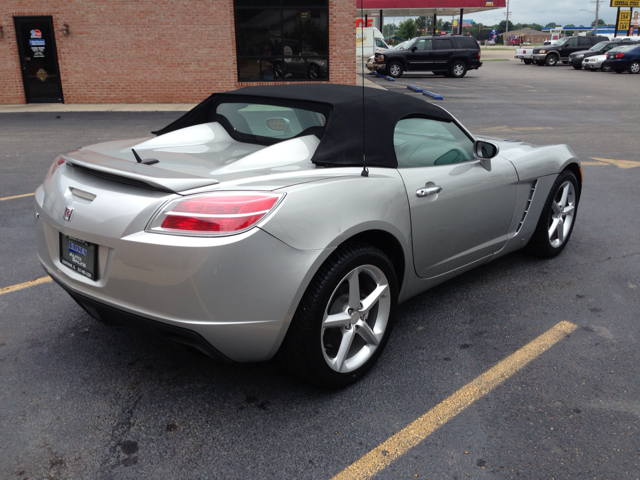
314, 71
458, 69
394, 69
634, 67
557, 218
344, 319
606, 68
551, 60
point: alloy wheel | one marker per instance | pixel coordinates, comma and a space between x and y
562, 213
356, 318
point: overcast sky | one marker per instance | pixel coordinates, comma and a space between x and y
562, 12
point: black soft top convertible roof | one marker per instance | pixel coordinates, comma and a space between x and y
342, 137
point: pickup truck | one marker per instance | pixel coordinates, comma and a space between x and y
524, 54
552, 54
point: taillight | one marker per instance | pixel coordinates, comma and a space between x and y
54, 166
212, 214
619, 55
479, 54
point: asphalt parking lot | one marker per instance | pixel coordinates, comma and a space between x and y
81, 400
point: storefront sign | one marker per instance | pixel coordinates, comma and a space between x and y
625, 3
369, 23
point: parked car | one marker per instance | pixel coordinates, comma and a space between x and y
576, 58
451, 55
525, 55
595, 62
514, 41
308, 65
255, 225
560, 51
623, 58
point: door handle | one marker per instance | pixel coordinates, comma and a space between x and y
426, 191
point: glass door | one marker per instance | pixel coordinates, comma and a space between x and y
38, 59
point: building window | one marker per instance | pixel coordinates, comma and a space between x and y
282, 40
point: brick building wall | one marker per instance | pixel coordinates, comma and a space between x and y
150, 51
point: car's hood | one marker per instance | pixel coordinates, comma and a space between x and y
582, 52
532, 161
199, 156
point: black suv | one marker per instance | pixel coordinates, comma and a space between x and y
559, 52
450, 55
576, 58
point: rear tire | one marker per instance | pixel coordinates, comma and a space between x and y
458, 69
634, 67
557, 218
344, 319
395, 69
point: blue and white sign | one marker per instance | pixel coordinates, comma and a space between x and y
36, 43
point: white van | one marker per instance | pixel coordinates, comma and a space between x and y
369, 40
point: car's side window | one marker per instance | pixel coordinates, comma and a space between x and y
443, 44
572, 42
424, 44
423, 142
583, 41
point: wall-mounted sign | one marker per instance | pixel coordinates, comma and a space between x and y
369, 23
36, 33
625, 3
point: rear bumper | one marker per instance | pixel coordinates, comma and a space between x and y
238, 293
114, 316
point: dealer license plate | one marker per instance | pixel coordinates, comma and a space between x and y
79, 256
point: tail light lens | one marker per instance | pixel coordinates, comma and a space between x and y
479, 54
214, 214
54, 166
619, 55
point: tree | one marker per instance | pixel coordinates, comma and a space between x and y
536, 26
601, 23
570, 25
551, 24
407, 29
389, 29
502, 26
446, 26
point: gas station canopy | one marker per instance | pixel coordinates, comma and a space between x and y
424, 8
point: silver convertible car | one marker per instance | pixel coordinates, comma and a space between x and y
291, 220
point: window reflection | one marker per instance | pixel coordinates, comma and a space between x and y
275, 43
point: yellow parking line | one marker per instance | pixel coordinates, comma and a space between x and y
17, 196
410, 436
20, 286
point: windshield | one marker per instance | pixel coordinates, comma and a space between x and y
401, 46
598, 46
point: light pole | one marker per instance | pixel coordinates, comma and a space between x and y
595, 25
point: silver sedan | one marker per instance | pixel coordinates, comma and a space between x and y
292, 220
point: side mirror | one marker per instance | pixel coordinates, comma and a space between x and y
485, 151
413, 49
